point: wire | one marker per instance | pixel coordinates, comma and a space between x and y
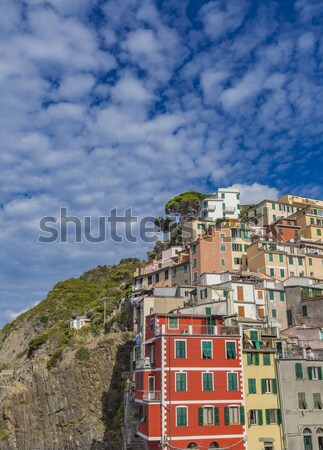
206, 448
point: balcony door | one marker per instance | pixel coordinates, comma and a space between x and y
151, 387
320, 442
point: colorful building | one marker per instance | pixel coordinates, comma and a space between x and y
190, 392
263, 413
225, 203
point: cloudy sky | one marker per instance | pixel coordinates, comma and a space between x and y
109, 103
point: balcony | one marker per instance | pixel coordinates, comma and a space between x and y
208, 330
229, 209
300, 354
150, 396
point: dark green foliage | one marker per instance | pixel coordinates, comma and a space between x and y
35, 343
55, 358
186, 204
82, 354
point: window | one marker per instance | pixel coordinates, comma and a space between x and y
280, 231
237, 260
271, 295
150, 279
299, 371
222, 248
252, 386
260, 295
282, 296
253, 359
166, 274
173, 323
194, 248
281, 258
205, 204
207, 381
208, 415
195, 276
308, 443
282, 273
255, 417
266, 359
206, 349
312, 220
194, 262
295, 233
142, 414
272, 272
222, 195
268, 386
233, 415
274, 313
232, 381
302, 400
237, 247
180, 379
300, 261
318, 232
304, 311
222, 262
192, 445
254, 335
181, 416
152, 355
273, 416
180, 349
157, 277
314, 373
185, 267
273, 206
290, 260
231, 352
317, 401
214, 445
174, 271
270, 257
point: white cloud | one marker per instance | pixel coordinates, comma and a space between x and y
255, 193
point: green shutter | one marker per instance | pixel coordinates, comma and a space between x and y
252, 386
266, 359
254, 335
310, 374
226, 415
232, 381
299, 371
200, 414
263, 386
268, 416
260, 421
319, 370
208, 311
274, 383
279, 416
257, 359
216, 416
249, 359
242, 415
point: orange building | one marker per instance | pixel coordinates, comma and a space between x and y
189, 390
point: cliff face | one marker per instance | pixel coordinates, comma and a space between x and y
66, 390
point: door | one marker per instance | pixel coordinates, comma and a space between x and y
320, 443
151, 387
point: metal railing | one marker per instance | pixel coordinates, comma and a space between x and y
209, 330
151, 396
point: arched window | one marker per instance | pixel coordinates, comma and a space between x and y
319, 430
192, 445
307, 431
214, 445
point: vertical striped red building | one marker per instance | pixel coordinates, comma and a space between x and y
189, 387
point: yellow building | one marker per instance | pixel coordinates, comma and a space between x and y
263, 414
300, 201
283, 260
310, 219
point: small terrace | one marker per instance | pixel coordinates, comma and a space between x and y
208, 330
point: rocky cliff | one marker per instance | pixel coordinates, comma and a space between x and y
61, 388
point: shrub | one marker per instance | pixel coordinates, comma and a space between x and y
35, 343
82, 354
55, 358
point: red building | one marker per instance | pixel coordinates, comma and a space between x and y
284, 229
189, 387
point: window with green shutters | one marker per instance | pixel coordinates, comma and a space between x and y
180, 347
282, 273
270, 257
314, 373
299, 371
180, 382
302, 400
272, 272
173, 323
282, 296
222, 248
252, 386
317, 401
268, 386
273, 416
290, 260
274, 313
194, 262
194, 248
254, 335
207, 381
255, 417
271, 295
266, 359
281, 258
233, 415
253, 359
300, 261
181, 416
232, 381
208, 415
206, 349
231, 350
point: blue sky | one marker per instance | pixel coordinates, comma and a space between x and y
127, 103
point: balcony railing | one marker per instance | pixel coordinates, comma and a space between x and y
151, 396
300, 354
209, 330
142, 363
